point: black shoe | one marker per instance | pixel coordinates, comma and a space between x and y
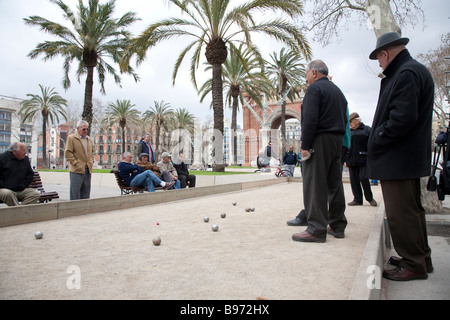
297, 222
300, 219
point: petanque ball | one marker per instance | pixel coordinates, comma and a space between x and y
206, 218
215, 227
234, 203
156, 241
223, 214
252, 209
38, 235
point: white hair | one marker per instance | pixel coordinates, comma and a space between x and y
81, 123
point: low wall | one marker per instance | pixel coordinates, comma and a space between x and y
367, 285
48, 211
108, 179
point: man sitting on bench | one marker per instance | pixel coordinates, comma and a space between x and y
16, 175
135, 176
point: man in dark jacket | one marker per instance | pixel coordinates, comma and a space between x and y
15, 177
290, 160
185, 178
324, 122
399, 153
355, 161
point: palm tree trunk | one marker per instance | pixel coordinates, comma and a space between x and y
283, 119
234, 128
87, 109
217, 99
123, 139
158, 132
44, 143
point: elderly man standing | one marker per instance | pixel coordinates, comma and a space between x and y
145, 146
356, 159
165, 166
15, 177
80, 154
399, 153
324, 122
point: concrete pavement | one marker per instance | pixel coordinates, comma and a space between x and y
436, 287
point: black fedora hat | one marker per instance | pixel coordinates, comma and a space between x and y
387, 40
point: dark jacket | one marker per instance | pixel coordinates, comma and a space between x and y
357, 154
127, 171
15, 174
399, 144
324, 110
290, 157
182, 169
143, 148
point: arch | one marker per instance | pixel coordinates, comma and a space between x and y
290, 114
252, 127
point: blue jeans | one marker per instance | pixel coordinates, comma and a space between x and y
146, 178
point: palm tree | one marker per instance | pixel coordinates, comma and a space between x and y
241, 74
183, 119
285, 70
214, 24
96, 35
161, 116
121, 112
49, 105
183, 124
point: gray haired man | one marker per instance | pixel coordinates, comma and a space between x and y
80, 154
15, 177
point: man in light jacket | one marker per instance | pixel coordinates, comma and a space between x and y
165, 166
80, 154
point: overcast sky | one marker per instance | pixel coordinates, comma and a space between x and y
347, 58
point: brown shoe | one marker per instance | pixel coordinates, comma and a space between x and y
168, 185
305, 236
402, 274
339, 235
354, 203
373, 203
395, 261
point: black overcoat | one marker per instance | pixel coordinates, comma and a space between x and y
399, 144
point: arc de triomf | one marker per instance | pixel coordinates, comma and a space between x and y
262, 124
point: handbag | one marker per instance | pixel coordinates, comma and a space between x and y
432, 180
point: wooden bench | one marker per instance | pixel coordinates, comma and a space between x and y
37, 184
45, 196
124, 189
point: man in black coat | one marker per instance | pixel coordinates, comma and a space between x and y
355, 161
399, 153
16, 175
185, 178
324, 122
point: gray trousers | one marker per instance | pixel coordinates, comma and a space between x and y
291, 168
323, 192
80, 185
